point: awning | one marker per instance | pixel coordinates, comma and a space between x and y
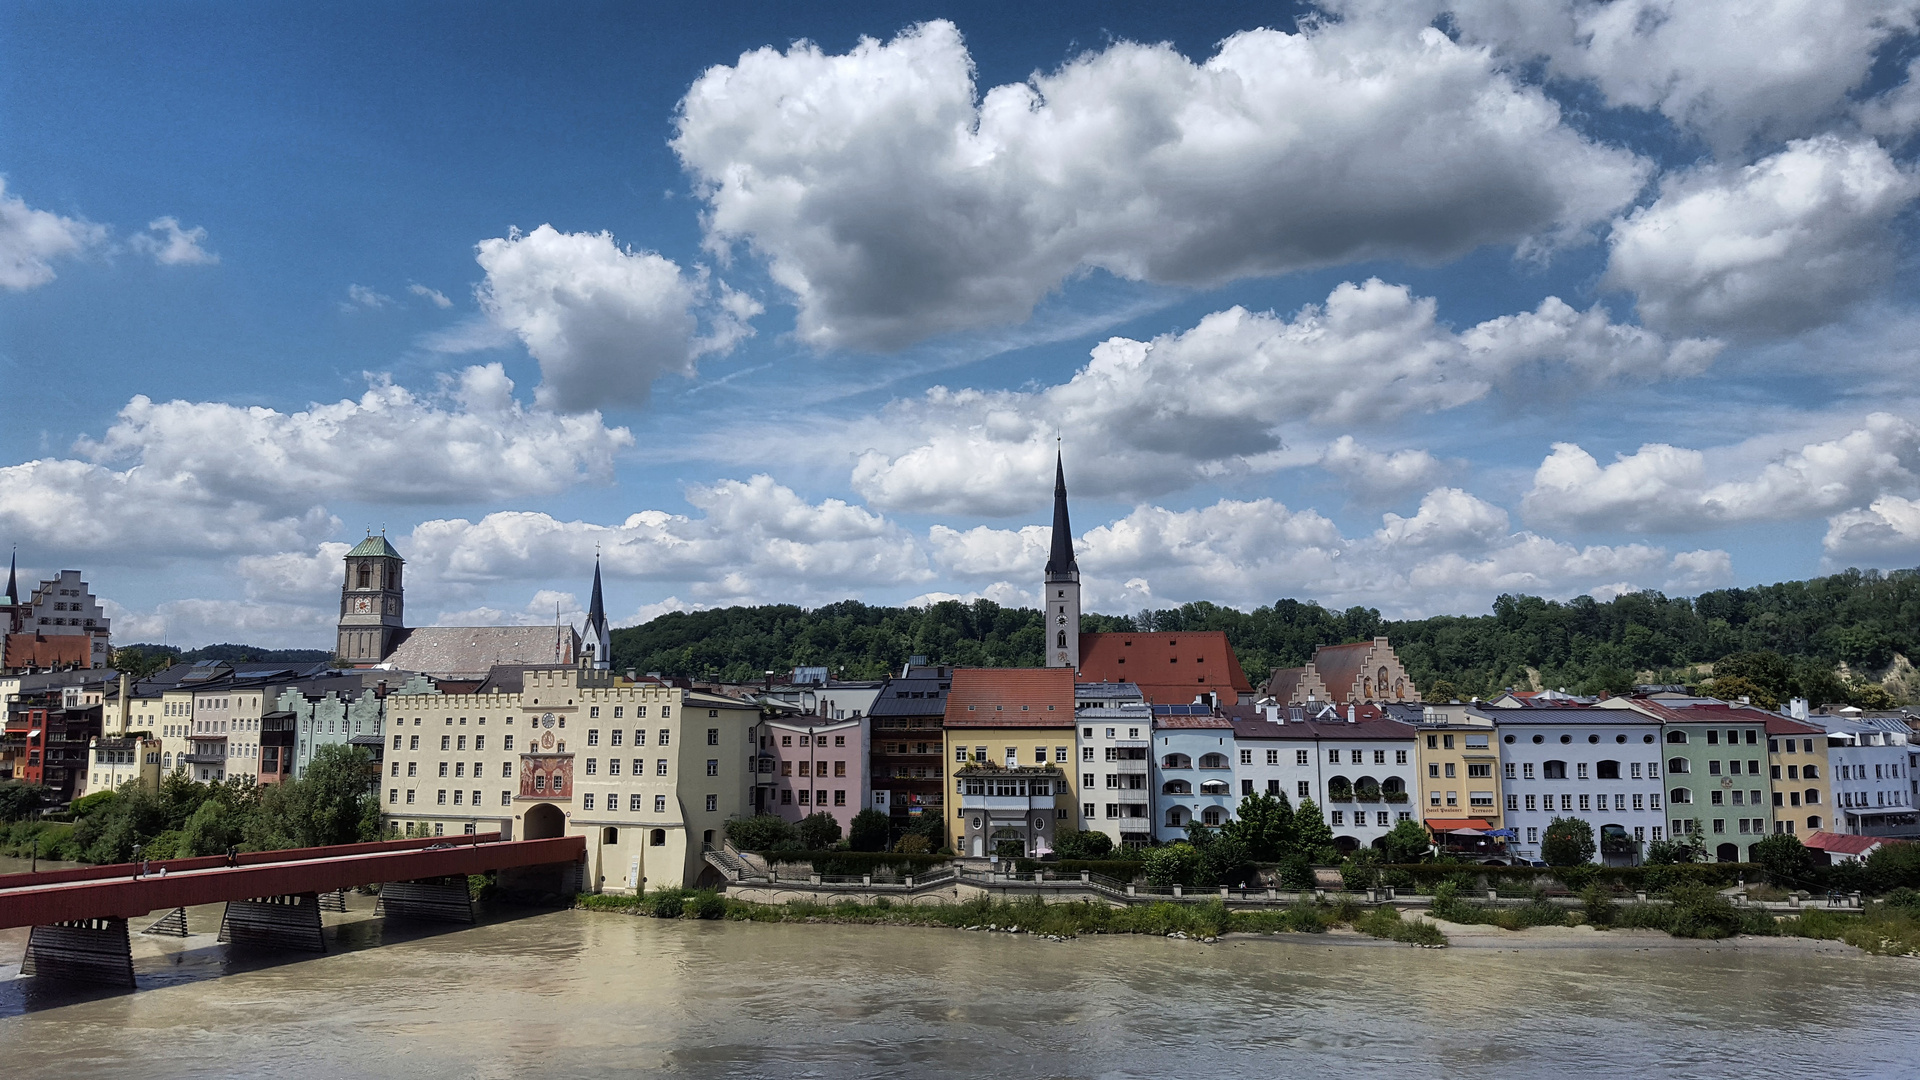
32, 733
1446, 824
1465, 832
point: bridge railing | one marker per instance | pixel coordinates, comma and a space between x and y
109, 871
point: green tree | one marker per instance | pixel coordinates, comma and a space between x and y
328, 805
869, 830
1734, 687
1264, 825
19, 799
818, 831
1689, 847
1567, 842
1785, 860
1440, 691
1312, 838
762, 832
1407, 842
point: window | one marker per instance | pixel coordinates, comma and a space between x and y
1433, 797
586, 801
593, 736
713, 803
1530, 803
1554, 770
657, 838
479, 742
442, 800
659, 804
1300, 757
443, 768
1450, 770
1533, 835
1305, 790
1511, 771
1433, 769
713, 766
1339, 818
1357, 757
1482, 770
1246, 757
1333, 757
446, 742
592, 766
409, 796
506, 768
1526, 771
1513, 803
508, 740
660, 767
1583, 803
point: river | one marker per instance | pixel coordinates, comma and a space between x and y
585, 994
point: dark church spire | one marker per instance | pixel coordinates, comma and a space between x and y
597, 609
13, 588
1060, 562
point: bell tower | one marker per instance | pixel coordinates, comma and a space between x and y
1060, 595
372, 615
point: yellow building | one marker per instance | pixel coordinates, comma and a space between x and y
1459, 773
1009, 740
648, 773
114, 760
1798, 771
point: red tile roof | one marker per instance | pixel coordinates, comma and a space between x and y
1170, 667
49, 650
1177, 722
1010, 697
1781, 725
1838, 844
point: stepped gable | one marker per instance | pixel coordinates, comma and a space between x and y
1010, 698
1359, 671
1169, 667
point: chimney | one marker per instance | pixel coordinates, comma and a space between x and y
632, 674
1352, 713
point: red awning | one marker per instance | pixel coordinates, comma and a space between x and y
1448, 824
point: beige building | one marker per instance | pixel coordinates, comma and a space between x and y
113, 761
1459, 770
648, 773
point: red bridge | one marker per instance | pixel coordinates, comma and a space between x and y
79, 917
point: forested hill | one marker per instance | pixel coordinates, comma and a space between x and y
1786, 639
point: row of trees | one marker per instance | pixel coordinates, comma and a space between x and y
1779, 641
331, 804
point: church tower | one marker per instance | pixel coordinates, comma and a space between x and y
1061, 594
599, 638
372, 618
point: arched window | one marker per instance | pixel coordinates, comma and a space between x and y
1216, 787
1176, 787
1677, 765
609, 835
1606, 770
1063, 639
657, 838
1553, 770
1676, 736
366, 576
1213, 761
1813, 821
1177, 817
1813, 796
1212, 816
1176, 761
1680, 795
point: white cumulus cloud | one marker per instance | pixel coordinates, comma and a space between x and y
31, 239
171, 245
431, 295
1667, 488
1886, 533
605, 321
1372, 476
1146, 417
894, 201
1787, 243
473, 441
1729, 71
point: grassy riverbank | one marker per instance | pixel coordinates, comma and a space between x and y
1889, 928
1207, 920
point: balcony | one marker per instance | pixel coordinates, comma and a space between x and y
1136, 825
205, 759
1006, 804
1133, 768
1133, 795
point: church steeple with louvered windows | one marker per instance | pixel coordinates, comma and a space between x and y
1061, 590
599, 638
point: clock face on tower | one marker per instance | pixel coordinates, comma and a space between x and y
363, 604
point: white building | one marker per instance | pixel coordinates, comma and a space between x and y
1359, 773
1114, 778
1600, 766
1870, 775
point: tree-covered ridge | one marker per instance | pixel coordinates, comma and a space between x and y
1858, 619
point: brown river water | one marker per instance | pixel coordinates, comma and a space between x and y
583, 994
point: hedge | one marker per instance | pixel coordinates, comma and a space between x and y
857, 863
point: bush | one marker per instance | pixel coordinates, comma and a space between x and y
1172, 864
1894, 866
1385, 922
1597, 902
1084, 845
869, 831
1408, 842
913, 844
1294, 872
1567, 842
19, 800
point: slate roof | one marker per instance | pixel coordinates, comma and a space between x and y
1339, 665
1011, 697
911, 696
1281, 685
1322, 729
1784, 725
1060, 560
470, 652
1169, 667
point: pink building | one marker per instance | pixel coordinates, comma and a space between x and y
810, 763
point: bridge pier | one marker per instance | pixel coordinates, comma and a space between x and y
277, 922
434, 899
83, 950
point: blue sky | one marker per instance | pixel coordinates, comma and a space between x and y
1403, 305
